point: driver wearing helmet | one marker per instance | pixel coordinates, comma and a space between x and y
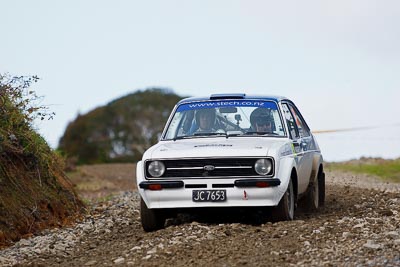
262, 120
205, 119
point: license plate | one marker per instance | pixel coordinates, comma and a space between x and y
209, 195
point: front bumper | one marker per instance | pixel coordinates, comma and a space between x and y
239, 192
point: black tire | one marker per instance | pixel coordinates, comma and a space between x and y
311, 202
321, 184
152, 219
285, 209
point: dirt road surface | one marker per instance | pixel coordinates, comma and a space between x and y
359, 226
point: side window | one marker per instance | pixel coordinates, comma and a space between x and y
303, 129
293, 131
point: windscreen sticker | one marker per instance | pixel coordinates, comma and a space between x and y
227, 103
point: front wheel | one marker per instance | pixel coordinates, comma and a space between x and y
285, 209
152, 219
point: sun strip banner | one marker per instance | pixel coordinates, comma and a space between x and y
227, 103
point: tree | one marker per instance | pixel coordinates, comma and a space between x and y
121, 130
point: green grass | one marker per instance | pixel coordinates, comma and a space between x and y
387, 170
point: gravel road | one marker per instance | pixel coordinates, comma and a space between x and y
359, 226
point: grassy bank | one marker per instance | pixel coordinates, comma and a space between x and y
387, 170
34, 191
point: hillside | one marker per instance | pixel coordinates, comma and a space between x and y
34, 191
119, 131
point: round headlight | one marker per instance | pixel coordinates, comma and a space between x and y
263, 166
156, 168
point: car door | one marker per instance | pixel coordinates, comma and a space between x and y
301, 139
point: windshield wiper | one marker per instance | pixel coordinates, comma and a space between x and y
260, 133
233, 134
182, 137
209, 134
197, 134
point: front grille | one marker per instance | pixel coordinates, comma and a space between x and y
210, 168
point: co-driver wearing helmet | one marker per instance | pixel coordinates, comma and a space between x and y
262, 120
264, 125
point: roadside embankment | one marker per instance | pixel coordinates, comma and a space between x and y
34, 192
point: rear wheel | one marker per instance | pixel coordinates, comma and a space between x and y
321, 185
285, 209
152, 219
313, 196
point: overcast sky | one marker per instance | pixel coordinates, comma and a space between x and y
338, 60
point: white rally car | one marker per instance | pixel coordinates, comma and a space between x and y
231, 151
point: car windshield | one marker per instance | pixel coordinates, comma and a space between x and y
225, 118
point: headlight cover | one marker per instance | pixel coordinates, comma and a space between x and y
156, 168
263, 166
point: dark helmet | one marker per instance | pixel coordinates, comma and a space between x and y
261, 116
